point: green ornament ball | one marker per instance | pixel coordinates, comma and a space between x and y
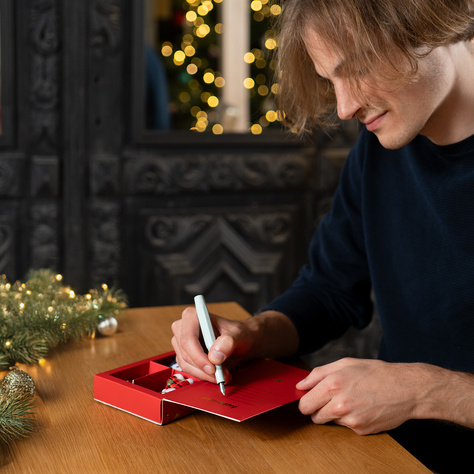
17, 383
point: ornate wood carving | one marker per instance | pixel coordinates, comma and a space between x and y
208, 172
44, 242
43, 227
9, 223
105, 76
105, 129
270, 229
105, 26
12, 167
105, 175
6, 251
105, 249
239, 255
44, 86
45, 176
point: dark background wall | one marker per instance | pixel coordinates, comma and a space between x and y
87, 191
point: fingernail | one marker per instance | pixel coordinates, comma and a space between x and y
301, 381
218, 357
209, 370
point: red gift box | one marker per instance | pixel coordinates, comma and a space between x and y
255, 388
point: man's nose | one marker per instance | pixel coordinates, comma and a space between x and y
348, 105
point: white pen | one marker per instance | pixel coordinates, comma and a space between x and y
208, 334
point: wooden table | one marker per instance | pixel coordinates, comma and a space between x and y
76, 434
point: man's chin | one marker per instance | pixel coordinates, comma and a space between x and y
392, 142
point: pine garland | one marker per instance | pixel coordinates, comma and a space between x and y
42, 313
16, 417
35, 317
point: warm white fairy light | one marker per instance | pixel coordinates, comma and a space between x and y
213, 101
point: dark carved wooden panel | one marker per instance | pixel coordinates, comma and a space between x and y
220, 223
228, 252
214, 171
84, 190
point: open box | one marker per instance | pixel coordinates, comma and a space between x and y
255, 388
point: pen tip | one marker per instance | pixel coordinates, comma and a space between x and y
222, 386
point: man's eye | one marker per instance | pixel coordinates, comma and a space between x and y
324, 79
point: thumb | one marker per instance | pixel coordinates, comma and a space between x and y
221, 350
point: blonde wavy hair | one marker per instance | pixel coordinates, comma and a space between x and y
372, 33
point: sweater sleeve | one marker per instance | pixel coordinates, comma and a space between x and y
332, 291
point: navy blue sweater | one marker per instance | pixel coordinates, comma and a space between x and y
402, 223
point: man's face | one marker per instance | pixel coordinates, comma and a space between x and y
396, 113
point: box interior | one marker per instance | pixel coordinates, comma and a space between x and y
151, 374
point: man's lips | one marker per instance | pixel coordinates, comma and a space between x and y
373, 123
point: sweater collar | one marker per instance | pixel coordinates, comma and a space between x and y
463, 148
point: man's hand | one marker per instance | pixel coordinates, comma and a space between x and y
233, 341
269, 334
370, 396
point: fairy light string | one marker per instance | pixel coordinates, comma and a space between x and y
41, 313
36, 316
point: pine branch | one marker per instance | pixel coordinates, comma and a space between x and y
16, 418
25, 348
43, 313
35, 317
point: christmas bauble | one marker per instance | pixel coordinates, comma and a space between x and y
17, 383
107, 327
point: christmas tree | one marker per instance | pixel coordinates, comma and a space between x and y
189, 43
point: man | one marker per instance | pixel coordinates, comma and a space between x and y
402, 224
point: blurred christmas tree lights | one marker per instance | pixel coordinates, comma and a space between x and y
190, 46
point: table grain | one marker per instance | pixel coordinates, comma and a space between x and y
76, 434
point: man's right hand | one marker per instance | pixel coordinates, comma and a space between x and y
232, 345
268, 334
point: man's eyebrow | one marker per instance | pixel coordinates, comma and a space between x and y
336, 71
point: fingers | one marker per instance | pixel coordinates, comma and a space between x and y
188, 367
321, 406
190, 354
322, 402
226, 343
363, 395
320, 373
316, 398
